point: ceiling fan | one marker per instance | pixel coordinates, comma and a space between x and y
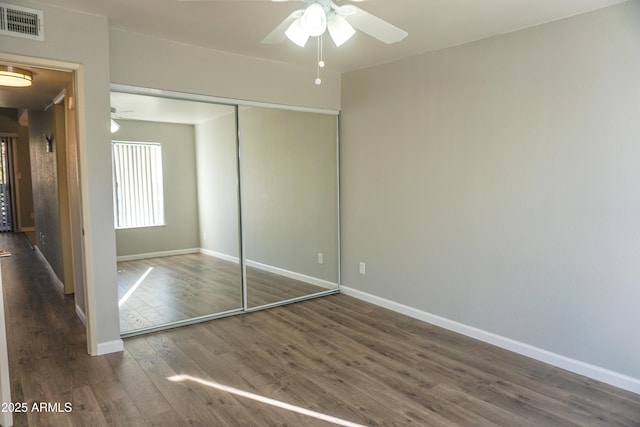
340, 21
320, 16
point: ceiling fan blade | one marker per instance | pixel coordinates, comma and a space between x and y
374, 26
278, 34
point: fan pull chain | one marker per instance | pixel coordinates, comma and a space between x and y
320, 61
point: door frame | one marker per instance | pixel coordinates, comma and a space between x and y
77, 70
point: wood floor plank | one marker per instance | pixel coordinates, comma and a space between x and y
191, 402
116, 406
139, 388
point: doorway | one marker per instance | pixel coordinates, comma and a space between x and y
39, 173
6, 193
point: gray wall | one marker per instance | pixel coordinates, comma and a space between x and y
180, 193
45, 184
288, 164
289, 190
496, 184
216, 156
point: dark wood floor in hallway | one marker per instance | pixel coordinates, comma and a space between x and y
328, 361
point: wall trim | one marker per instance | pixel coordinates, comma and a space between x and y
158, 254
114, 346
292, 275
81, 315
576, 366
276, 270
223, 256
52, 273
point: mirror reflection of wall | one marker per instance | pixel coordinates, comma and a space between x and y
188, 266
289, 203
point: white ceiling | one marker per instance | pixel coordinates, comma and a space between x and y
46, 85
155, 109
238, 26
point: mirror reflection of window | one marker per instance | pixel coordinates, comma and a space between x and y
137, 184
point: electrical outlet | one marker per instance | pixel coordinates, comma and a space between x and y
320, 258
363, 268
204, 236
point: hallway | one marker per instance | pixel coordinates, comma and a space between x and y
47, 348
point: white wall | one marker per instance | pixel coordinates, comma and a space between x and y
181, 227
162, 64
497, 184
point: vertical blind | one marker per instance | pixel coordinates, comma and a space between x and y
138, 191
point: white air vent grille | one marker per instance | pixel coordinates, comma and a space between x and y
19, 21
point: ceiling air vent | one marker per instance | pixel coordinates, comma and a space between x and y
20, 21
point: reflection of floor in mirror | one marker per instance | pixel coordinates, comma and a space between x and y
156, 291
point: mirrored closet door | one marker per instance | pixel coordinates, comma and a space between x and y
289, 176
220, 208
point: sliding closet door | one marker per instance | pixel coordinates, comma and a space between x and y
177, 211
220, 209
289, 182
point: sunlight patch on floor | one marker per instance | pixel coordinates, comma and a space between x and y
268, 401
130, 292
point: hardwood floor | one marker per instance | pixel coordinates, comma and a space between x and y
186, 286
176, 288
335, 356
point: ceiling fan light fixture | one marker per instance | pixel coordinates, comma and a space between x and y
314, 20
296, 34
15, 77
340, 30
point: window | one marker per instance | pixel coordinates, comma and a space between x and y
138, 193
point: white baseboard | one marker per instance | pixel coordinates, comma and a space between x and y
81, 315
158, 254
595, 372
110, 347
292, 275
54, 277
220, 255
276, 270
